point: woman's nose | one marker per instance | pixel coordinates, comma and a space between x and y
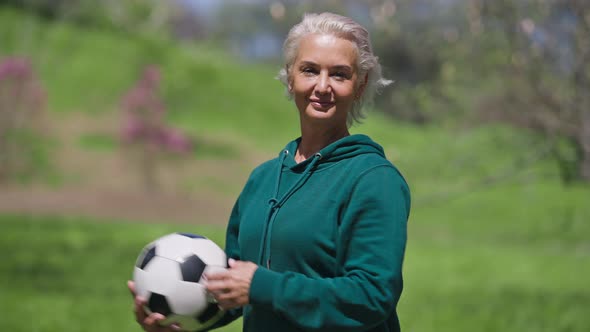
323, 84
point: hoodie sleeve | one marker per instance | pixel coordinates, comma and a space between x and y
371, 245
232, 251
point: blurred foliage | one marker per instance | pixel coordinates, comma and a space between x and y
128, 16
545, 74
23, 145
437, 68
148, 139
533, 56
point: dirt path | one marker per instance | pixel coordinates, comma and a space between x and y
126, 206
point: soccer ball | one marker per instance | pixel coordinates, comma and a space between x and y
168, 274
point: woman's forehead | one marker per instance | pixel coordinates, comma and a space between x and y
320, 48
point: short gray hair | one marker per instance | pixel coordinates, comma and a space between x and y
342, 27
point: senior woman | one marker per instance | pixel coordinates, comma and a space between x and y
316, 239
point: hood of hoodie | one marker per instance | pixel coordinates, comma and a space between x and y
344, 148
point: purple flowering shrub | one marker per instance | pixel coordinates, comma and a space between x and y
144, 129
22, 104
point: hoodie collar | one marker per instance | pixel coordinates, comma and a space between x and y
344, 148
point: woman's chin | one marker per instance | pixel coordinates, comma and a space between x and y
321, 111
320, 115
324, 116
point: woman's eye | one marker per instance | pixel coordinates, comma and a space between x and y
308, 71
340, 75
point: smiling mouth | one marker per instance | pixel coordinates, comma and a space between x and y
321, 104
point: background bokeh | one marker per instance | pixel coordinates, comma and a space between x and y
122, 121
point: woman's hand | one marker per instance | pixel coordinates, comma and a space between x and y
150, 323
231, 287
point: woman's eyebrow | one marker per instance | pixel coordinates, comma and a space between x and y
336, 67
342, 67
308, 63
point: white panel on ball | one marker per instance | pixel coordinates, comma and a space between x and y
209, 252
187, 298
175, 246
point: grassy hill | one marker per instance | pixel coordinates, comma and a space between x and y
496, 242
204, 89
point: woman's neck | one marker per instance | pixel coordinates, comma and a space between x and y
312, 141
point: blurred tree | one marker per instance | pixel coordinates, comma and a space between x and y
148, 139
413, 39
257, 30
541, 51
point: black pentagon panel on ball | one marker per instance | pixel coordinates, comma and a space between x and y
158, 303
147, 255
192, 268
210, 312
192, 236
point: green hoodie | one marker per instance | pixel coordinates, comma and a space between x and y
329, 236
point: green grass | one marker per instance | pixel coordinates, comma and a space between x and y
499, 287
69, 274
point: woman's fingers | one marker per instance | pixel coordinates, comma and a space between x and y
217, 282
152, 324
131, 287
228, 293
231, 287
140, 314
215, 286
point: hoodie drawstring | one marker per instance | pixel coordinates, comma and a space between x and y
274, 204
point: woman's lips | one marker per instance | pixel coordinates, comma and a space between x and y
321, 104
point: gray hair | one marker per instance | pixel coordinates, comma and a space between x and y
342, 27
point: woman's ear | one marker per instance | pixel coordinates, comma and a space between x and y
362, 86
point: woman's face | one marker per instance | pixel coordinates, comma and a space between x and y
323, 78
